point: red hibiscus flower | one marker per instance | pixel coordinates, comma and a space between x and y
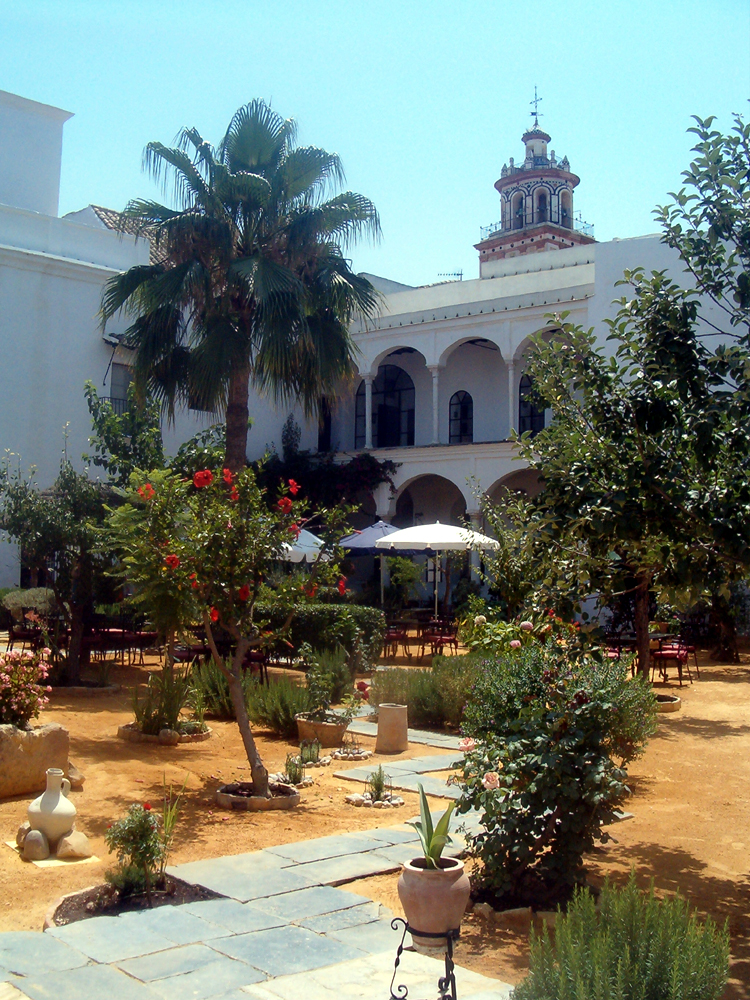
342, 585
234, 495
228, 477
244, 592
147, 491
172, 561
312, 590
203, 478
147, 806
284, 505
214, 615
293, 487
294, 528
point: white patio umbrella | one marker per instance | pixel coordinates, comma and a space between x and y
437, 537
306, 548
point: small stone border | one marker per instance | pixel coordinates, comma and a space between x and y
520, 918
321, 762
49, 916
285, 797
351, 754
131, 734
668, 703
365, 799
88, 692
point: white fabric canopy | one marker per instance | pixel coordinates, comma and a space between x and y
305, 549
436, 537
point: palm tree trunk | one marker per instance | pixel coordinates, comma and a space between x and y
238, 416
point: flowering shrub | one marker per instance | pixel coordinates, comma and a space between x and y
197, 550
550, 737
486, 631
22, 694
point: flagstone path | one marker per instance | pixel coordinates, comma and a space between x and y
406, 775
282, 932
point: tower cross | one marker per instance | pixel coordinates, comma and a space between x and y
536, 114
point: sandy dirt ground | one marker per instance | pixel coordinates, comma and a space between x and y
690, 831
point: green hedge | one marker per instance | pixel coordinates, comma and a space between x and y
360, 630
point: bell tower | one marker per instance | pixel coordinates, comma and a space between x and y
536, 203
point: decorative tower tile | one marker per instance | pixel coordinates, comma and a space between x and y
536, 203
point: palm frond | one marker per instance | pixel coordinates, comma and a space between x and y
119, 290
189, 187
256, 139
306, 173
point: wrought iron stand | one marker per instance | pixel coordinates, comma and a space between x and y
446, 983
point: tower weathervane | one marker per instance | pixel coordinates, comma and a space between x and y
536, 114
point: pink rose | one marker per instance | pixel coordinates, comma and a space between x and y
527, 626
515, 643
491, 781
467, 744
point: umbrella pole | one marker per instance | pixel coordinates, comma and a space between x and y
382, 579
437, 570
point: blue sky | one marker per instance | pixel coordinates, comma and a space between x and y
424, 101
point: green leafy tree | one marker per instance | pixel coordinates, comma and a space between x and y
199, 551
646, 463
124, 442
251, 284
56, 530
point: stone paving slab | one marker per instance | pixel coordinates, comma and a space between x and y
322, 848
432, 762
176, 924
369, 979
406, 781
285, 950
294, 906
335, 871
90, 982
238, 918
362, 913
246, 886
390, 835
415, 735
255, 861
211, 980
109, 939
28, 953
9, 992
188, 958
371, 938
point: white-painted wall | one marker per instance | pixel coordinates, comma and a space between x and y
30, 153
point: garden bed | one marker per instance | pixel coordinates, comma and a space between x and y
132, 734
105, 901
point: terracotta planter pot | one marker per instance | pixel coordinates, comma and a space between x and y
434, 899
393, 726
330, 734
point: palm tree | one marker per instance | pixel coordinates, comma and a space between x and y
250, 283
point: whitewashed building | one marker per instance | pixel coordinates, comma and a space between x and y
441, 382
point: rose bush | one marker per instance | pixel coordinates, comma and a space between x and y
551, 733
22, 693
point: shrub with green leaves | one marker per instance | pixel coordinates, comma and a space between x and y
168, 692
211, 689
359, 630
635, 947
276, 705
436, 696
545, 732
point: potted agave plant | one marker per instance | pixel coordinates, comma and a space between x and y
433, 890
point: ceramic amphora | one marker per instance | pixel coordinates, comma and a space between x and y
52, 812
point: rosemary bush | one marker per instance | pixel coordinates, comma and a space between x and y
211, 689
275, 705
635, 948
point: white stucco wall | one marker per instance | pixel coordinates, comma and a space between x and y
30, 153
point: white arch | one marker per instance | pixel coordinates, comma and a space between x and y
492, 339
462, 489
378, 360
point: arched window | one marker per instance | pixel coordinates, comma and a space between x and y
530, 417
392, 410
565, 210
461, 429
518, 212
541, 206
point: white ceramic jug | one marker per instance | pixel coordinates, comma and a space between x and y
53, 813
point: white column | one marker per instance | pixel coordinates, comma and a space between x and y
368, 412
435, 371
475, 516
512, 415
